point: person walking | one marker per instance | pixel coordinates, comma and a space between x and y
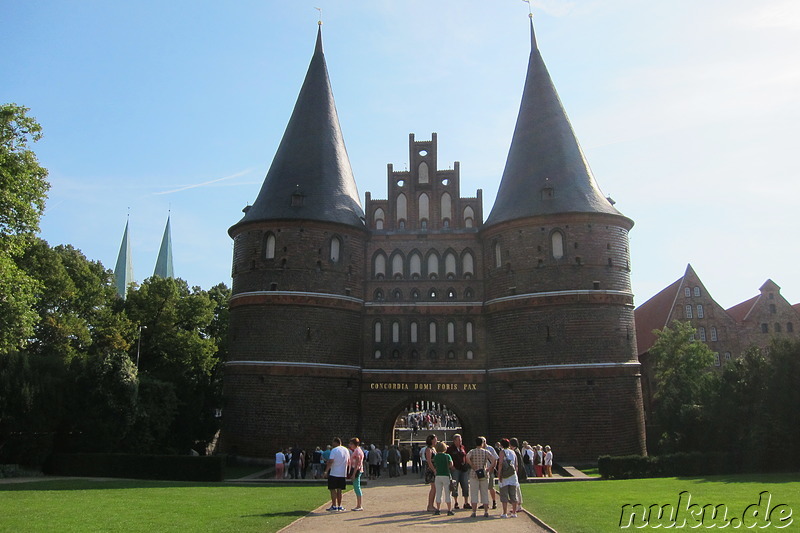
481, 462
461, 471
443, 465
336, 472
508, 481
357, 469
429, 468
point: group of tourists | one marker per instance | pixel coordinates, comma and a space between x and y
429, 419
450, 468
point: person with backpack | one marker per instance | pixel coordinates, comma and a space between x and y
507, 479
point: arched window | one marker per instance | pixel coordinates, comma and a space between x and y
378, 331
424, 207
413, 332
379, 269
415, 294
397, 266
468, 293
378, 295
468, 265
415, 265
469, 217
702, 332
451, 294
269, 246
557, 240
397, 294
700, 313
377, 354
451, 332
687, 292
395, 332
432, 332
713, 333
433, 266
423, 172
451, 354
688, 310
378, 218
336, 247
469, 330
697, 291
470, 355
402, 208
450, 265
498, 255
396, 354
432, 294
447, 210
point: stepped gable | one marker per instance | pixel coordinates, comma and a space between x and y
546, 171
310, 177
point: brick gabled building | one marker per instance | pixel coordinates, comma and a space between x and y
754, 322
341, 317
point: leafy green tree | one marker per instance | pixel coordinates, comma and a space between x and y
23, 190
781, 442
176, 348
683, 386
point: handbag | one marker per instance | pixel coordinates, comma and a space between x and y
508, 469
430, 475
480, 473
454, 487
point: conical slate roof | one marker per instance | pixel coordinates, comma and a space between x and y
546, 171
123, 271
164, 262
310, 177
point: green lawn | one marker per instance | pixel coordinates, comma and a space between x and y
596, 506
152, 506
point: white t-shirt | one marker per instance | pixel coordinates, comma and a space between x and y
548, 459
512, 457
340, 457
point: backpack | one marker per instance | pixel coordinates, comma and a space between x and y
526, 458
507, 469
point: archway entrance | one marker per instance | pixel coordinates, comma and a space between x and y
421, 418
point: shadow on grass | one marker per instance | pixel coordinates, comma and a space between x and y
297, 513
747, 478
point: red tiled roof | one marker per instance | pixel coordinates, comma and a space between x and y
653, 314
739, 311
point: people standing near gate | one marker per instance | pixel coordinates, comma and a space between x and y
415, 459
357, 469
316, 463
295, 462
493, 474
508, 481
429, 468
481, 462
538, 461
336, 472
461, 469
374, 461
443, 464
405, 455
280, 460
527, 458
548, 461
393, 460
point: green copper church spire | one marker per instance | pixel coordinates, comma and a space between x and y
123, 272
164, 261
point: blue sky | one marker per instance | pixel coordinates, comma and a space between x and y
688, 112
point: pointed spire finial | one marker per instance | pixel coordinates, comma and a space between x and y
320, 15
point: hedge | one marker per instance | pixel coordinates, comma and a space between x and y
671, 465
161, 467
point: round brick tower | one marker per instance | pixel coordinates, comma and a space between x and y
559, 307
298, 260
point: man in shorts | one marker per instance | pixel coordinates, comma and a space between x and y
336, 472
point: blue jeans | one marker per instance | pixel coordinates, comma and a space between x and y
463, 480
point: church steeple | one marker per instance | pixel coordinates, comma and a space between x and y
164, 261
123, 271
310, 177
546, 171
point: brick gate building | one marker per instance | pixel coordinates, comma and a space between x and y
343, 316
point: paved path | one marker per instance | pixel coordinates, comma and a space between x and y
390, 504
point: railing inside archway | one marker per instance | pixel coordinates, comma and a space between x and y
422, 418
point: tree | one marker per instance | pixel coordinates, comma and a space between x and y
23, 190
683, 385
177, 349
